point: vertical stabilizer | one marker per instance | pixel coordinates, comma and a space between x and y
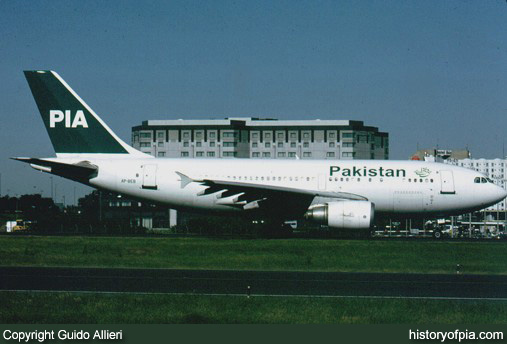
73, 127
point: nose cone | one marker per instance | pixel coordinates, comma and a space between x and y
498, 194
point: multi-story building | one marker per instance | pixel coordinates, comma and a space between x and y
261, 138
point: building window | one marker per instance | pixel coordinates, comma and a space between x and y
212, 134
161, 154
281, 154
348, 144
145, 135
307, 154
199, 154
280, 136
160, 134
348, 135
212, 144
255, 135
198, 144
292, 154
267, 136
293, 145
330, 154
198, 135
280, 144
145, 144
331, 144
228, 134
293, 135
306, 136
186, 135
229, 154
184, 154
331, 135
255, 154
266, 154
348, 154
306, 145
267, 144
185, 144
160, 144
255, 144
210, 154
230, 144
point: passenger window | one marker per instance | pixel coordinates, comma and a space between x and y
477, 180
483, 180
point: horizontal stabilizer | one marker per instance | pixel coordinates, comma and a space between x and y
82, 171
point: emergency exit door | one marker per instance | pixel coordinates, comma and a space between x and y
447, 182
150, 177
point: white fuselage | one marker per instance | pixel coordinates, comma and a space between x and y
395, 187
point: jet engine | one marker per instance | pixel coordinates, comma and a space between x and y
343, 214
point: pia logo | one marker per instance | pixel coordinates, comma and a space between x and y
423, 172
57, 116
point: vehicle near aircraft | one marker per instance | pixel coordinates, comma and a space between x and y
336, 193
18, 225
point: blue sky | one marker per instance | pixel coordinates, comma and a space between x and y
427, 72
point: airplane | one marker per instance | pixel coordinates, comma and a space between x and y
337, 193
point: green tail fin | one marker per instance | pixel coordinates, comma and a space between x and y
73, 127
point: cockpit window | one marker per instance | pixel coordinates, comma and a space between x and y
477, 180
484, 180
489, 180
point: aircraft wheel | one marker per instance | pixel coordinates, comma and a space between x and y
437, 234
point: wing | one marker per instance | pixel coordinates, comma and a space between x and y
275, 200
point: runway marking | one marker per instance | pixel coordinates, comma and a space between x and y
264, 295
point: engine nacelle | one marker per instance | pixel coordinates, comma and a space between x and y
343, 214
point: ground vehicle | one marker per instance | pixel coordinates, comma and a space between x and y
18, 225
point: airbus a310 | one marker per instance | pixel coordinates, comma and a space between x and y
337, 193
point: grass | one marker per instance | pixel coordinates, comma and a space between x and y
200, 253
287, 254
18, 307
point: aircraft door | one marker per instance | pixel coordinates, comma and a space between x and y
447, 182
150, 177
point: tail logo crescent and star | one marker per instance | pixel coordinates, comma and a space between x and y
57, 116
